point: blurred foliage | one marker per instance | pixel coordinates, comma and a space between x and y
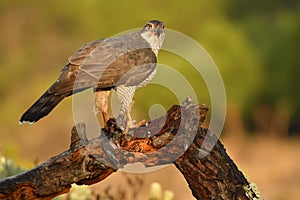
84, 192
274, 29
157, 193
77, 192
8, 167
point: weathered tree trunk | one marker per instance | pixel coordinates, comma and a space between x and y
213, 176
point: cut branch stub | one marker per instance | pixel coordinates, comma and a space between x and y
78, 135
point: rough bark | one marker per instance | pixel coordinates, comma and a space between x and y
177, 134
210, 172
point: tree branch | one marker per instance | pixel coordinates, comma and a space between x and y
173, 138
215, 175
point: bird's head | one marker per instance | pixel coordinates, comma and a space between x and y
154, 33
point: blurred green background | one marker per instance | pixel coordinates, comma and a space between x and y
255, 44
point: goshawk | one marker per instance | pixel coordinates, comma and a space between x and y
122, 63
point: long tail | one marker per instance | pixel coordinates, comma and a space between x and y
41, 107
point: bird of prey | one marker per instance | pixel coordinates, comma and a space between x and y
122, 63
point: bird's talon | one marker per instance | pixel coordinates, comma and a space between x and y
143, 122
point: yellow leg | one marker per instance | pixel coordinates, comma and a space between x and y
130, 123
101, 103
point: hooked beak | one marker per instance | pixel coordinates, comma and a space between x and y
159, 31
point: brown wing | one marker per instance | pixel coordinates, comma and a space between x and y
103, 62
129, 69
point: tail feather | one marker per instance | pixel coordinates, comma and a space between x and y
42, 107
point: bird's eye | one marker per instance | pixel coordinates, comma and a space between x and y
149, 26
163, 26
